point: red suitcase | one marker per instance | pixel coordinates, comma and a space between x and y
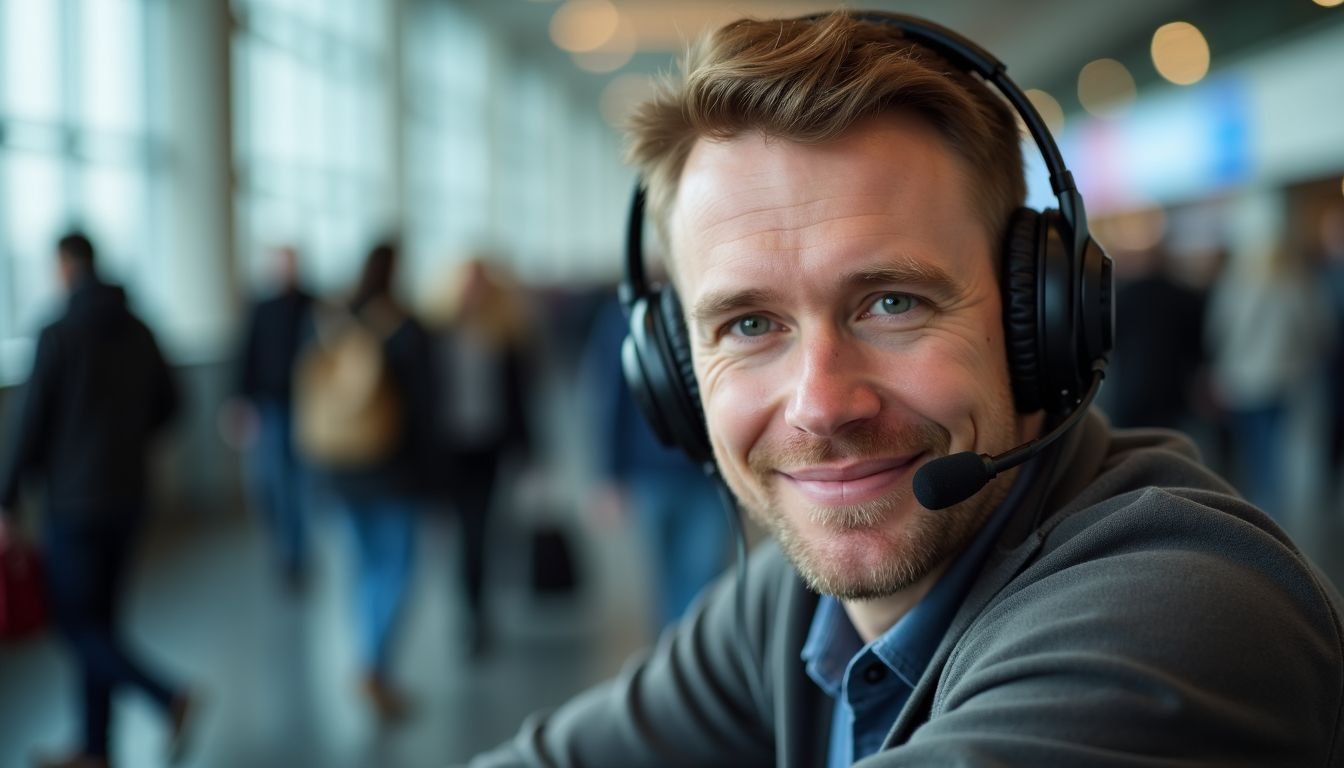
22, 599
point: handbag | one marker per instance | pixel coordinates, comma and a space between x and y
23, 604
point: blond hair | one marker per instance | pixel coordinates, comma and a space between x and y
808, 81
499, 308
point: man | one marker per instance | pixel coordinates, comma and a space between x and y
271, 344
835, 201
98, 392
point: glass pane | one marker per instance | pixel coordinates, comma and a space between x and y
114, 213
111, 68
30, 44
36, 207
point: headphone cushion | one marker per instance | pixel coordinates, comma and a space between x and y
1021, 256
679, 345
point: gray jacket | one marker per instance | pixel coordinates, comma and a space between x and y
1134, 612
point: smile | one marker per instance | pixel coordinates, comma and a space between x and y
850, 483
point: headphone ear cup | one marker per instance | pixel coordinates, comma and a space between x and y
692, 435
656, 359
1021, 318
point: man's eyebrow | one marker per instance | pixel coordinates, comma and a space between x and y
907, 272
719, 303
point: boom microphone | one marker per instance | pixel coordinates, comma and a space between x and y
948, 480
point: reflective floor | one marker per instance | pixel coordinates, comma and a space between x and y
276, 671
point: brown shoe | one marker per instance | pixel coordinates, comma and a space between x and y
73, 761
387, 702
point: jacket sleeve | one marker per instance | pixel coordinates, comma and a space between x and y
1174, 640
34, 418
692, 701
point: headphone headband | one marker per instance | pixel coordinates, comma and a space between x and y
970, 57
1056, 281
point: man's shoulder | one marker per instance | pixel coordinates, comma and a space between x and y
1156, 529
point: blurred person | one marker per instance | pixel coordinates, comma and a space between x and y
1158, 360
272, 339
675, 505
482, 359
1332, 273
1266, 332
365, 396
98, 394
969, 566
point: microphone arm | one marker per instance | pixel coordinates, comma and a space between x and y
952, 479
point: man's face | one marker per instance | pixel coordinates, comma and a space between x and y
846, 327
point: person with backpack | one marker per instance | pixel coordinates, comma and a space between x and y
364, 391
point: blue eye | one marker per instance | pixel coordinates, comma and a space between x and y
893, 304
752, 325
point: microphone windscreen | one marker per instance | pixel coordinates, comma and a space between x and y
950, 479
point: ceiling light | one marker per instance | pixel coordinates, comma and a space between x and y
1180, 53
1327, 3
1105, 87
580, 26
613, 54
1051, 112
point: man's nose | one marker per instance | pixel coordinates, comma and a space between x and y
833, 389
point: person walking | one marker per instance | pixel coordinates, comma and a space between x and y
98, 394
364, 390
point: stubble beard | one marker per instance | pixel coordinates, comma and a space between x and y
914, 549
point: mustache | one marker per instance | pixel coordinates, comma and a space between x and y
863, 441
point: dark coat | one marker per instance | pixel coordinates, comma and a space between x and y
98, 393
271, 344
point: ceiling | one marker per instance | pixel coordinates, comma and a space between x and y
1044, 43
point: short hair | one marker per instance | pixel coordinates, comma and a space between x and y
809, 80
76, 246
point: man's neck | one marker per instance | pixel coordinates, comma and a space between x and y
873, 617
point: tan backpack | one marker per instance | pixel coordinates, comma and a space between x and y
348, 412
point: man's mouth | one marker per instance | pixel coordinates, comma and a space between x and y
851, 482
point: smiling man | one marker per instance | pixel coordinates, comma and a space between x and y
856, 295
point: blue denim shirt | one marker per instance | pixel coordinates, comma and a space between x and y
871, 684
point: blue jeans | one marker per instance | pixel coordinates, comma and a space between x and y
1260, 447
384, 536
86, 570
280, 486
685, 533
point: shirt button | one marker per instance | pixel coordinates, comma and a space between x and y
874, 673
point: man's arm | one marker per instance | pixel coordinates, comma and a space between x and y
688, 703
1190, 638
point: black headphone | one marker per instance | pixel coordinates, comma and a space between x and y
1058, 312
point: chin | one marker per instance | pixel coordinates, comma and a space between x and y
861, 565
873, 550
859, 552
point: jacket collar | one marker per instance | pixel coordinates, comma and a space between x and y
1064, 471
